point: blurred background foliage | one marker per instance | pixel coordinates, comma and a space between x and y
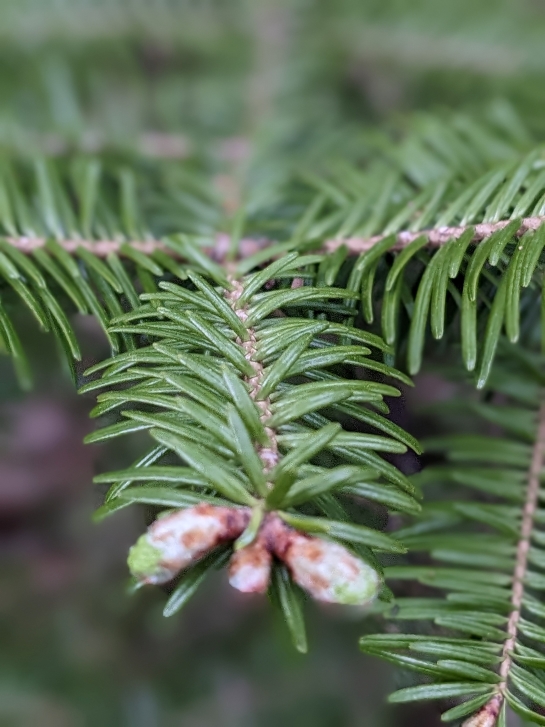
223, 81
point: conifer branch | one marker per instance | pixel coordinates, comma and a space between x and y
154, 144
436, 237
269, 455
521, 563
489, 714
103, 248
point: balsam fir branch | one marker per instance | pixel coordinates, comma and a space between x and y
487, 553
226, 191
246, 386
238, 393
433, 238
484, 216
521, 575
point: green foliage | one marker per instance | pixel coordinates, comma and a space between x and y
444, 176
479, 574
272, 254
91, 199
188, 385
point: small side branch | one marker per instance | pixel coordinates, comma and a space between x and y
521, 563
268, 454
488, 716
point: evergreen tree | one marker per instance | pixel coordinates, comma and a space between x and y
279, 214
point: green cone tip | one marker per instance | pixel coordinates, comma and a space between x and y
144, 558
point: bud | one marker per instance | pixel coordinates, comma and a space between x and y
250, 568
326, 570
176, 540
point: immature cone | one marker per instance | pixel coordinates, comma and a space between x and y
250, 568
174, 541
326, 570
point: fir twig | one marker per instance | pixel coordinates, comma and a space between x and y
103, 248
436, 237
489, 714
269, 455
152, 144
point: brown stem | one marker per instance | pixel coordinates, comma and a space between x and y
268, 454
103, 248
521, 563
436, 237
487, 717
154, 144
